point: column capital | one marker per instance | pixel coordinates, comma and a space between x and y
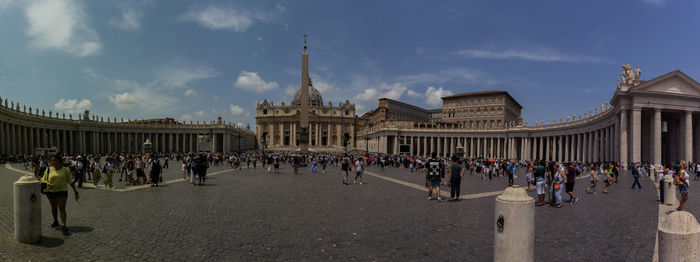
636, 109
688, 112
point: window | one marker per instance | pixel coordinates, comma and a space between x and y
264, 111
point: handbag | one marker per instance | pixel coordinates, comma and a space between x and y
557, 185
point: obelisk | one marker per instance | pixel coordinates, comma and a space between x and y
304, 107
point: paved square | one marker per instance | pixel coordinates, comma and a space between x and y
251, 215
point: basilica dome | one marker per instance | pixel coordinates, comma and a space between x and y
314, 97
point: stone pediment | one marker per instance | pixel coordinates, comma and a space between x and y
675, 82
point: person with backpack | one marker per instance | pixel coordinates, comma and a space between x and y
155, 172
456, 174
432, 176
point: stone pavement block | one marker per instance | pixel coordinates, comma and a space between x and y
252, 215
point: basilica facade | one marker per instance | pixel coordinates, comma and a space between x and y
330, 127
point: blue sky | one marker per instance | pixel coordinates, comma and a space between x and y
197, 60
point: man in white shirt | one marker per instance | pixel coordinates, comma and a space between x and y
358, 170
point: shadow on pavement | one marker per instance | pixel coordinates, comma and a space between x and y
49, 242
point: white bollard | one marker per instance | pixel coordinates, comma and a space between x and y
514, 226
669, 191
679, 238
27, 209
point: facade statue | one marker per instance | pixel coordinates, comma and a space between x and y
637, 73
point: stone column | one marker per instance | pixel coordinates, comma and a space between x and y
623, 136
424, 146
498, 148
471, 147
352, 135
688, 122
281, 134
579, 147
636, 135
410, 145
339, 134
478, 147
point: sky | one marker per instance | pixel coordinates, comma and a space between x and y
198, 60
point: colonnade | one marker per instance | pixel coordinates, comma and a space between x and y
23, 132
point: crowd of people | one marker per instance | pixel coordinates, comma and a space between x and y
549, 179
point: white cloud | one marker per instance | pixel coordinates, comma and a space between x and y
72, 106
259, 38
252, 81
186, 117
199, 114
130, 20
394, 92
290, 90
181, 75
230, 18
457, 75
217, 18
655, 2
190, 93
412, 93
237, 111
124, 100
539, 55
60, 24
433, 96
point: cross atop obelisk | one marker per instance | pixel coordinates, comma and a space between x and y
304, 107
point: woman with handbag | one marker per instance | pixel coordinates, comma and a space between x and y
559, 178
57, 179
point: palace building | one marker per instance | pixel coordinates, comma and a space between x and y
330, 127
652, 121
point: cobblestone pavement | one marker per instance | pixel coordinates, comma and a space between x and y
251, 215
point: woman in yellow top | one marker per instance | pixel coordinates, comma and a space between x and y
58, 178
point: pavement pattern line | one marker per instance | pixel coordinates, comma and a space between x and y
92, 186
442, 192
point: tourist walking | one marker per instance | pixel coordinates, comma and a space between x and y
108, 169
528, 177
57, 179
594, 181
683, 184
540, 182
96, 172
571, 174
608, 181
432, 176
635, 175
358, 170
559, 179
156, 171
456, 173
345, 167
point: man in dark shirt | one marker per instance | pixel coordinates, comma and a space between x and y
433, 171
572, 173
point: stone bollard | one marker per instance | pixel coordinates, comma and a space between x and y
514, 227
27, 208
679, 238
669, 191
